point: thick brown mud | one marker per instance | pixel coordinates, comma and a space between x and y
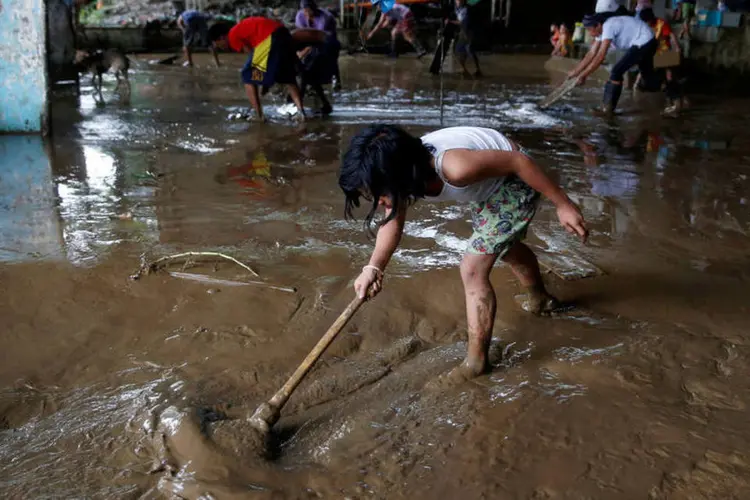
113, 388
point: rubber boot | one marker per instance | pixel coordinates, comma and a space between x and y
612, 94
421, 51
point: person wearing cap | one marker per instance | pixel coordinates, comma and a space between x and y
401, 18
272, 57
194, 27
310, 16
625, 33
611, 8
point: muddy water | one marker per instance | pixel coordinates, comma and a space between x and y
111, 388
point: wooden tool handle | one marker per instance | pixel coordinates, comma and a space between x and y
279, 399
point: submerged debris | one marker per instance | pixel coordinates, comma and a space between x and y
150, 267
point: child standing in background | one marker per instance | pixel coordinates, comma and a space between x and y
465, 42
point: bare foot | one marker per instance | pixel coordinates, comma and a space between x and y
464, 372
542, 303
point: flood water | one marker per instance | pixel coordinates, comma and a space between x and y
113, 388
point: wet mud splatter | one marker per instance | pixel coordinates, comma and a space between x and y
113, 388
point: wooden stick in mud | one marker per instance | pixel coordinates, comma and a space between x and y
561, 91
150, 267
268, 413
202, 278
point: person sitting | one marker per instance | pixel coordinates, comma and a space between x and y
554, 37
564, 45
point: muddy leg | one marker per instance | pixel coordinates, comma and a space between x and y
462, 61
99, 87
414, 41
296, 95
474, 56
252, 94
525, 266
480, 312
394, 38
188, 55
327, 108
127, 80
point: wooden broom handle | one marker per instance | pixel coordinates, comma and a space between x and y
279, 399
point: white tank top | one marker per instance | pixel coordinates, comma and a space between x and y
476, 138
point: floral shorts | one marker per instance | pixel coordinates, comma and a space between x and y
503, 219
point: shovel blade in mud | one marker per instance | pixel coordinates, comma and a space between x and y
561, 91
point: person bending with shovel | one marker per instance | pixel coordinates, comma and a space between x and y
391, 169
625, 33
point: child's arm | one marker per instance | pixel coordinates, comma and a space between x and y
381, 24
464, 167
370, 281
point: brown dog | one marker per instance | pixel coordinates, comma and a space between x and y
99, 62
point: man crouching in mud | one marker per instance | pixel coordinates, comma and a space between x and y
392, 169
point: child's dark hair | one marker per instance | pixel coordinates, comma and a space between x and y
385, 160
647, 15
219, 30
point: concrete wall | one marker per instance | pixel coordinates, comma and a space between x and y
23, 77
729, 54
29, 222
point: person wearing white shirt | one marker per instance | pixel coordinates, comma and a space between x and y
624, 33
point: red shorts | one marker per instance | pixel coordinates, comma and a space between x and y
406, 25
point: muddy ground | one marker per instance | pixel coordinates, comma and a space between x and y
113, 388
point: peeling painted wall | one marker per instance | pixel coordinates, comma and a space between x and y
23, 79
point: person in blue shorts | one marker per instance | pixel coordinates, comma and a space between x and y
194, 26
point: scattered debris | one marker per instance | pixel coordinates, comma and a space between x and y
150, 267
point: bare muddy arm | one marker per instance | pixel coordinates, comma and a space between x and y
463, 167
585, 61
596, 61
381, 24
389, 236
